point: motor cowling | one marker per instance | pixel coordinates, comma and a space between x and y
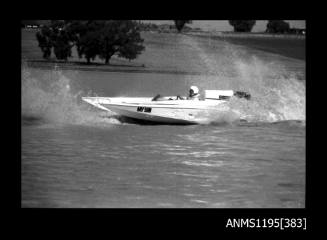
242, 94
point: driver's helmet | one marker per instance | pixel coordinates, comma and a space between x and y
195, 89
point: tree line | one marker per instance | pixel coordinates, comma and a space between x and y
273, 26
91, 38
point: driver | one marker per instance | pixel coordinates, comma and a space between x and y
193, 93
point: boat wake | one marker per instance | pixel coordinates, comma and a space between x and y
57, 103
277, 94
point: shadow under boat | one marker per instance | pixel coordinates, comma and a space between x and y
129, 120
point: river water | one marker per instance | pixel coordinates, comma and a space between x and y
74, 155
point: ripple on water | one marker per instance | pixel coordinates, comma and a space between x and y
204, 164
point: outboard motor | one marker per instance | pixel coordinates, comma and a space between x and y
241, 94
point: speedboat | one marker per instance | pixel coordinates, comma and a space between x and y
167, 109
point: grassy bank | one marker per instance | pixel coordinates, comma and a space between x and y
292, 46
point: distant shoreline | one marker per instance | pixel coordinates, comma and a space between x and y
246, 35
44, 64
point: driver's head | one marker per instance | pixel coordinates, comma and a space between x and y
194, 90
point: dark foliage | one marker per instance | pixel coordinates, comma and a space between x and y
44, 40
92, 38
242, 25
120, 37
277, 26
180, 24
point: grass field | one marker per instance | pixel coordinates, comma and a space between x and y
292, 47
288, 46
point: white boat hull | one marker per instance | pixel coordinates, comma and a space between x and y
169, 112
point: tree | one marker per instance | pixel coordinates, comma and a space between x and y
88, 46
85, 34
44, 39
92, 38
179, 24
57, 37
120, 37
242, 25
277, 26
132, 44
62, 42
62, 48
